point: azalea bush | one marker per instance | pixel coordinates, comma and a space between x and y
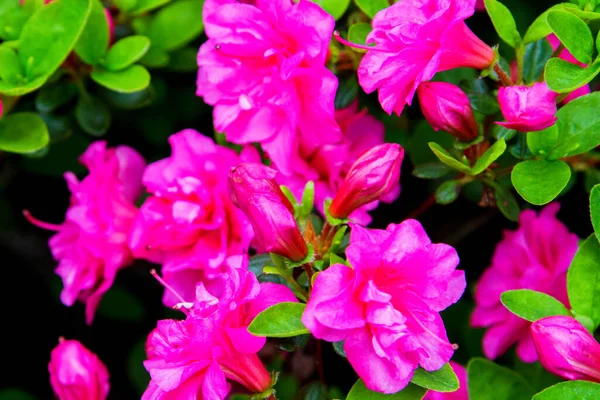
277, 199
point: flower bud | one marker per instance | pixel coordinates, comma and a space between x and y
374, 174
254, 190
566, 348
76, 373
447, 107
527, 108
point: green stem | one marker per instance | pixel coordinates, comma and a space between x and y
285, 273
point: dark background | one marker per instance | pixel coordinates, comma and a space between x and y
33, 318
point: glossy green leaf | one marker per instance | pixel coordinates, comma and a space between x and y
126, 52
176, 25
51, 97
360, 392
540, 181
503, 22
580, 390
280, 320
447, 192
595, 209
542, 142
539, 29
10, 67
23, 133
432, 170
447, 159
583, 283
93, 42
532, 305
489, 381
129, 80
564, 77
92, 115
586, 16
536, 56
12, 19
357, 33
49, 36
573, 33
372, 7
490, 155
347, 92
143, 6
442, 380
336, 8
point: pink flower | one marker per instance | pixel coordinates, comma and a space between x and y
527, 108
263, 70
461, 394
193, 358
480, 5
373, 175
414, 40
253, 188
1, 108
447, 107
91, 244
190, 224
566, 348
536, 256
566, 55
386, 306
76, 373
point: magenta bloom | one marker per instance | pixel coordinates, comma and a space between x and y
1, 107
255, 191
190, 224
414, 40
76, 373
386, 307
193, 358
461, 394
263, 68
566, 348
566, 55
527, 108
536, 256
373, 175
447, 107
479, 5
91, 244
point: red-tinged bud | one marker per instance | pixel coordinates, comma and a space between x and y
566, 348
373, 175
254, 190
447, 107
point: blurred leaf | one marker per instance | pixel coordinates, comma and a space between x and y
360, 392
131, 101
257, 263
12, 19
338, 347
581, 390
447, 159
489, 381
536, 375
506, 202
503, 22
564, 77
501, 132
126, 52
51, 97
531, 305
176, 25
22, 133
314, 391
15, 394
147, 5
357, 33
10, 67
372, 7
120, 305
138, 375
92, 115
129, 80
540, 181
59, 159
336, 8
456, 75
583, 283
417, 143
536, 56
573, 33
539, 29
447, 192
542, 142
595, 209
591, 179
490, 155
480, 97
286, 387
125, 5
93, 42
432, 170
279, 320
442, 380
183, 60
156, 58
59, 126
347, 92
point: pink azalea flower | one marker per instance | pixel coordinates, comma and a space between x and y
263, 70
536, 256
566, 348
527, 108
1, 108
566, 55
480, 6
76, 373
414, 40
386, 306
193, 358
190, 224
91, 244
461, 394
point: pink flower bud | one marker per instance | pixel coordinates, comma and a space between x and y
527, 108
254, 190
447, 107
76, 373
566, 348
373, 175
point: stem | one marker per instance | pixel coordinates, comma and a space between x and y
426, 205
504, 79
520, 52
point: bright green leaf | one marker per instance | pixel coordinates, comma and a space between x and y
176, 25
583, 283
23, 133
532, 305
586, 16
432, 170
447, 192
573, 33
580, 390
489, 381
10, 68
129, 80
595, 209
280, 320
357, 33
12, 19
360, 392
143, 6
503, 22
442, 380
92, 115
120, 305
536, 56
126, 52
308, 199
542, 142
490, 155
539, 29
18, 90
93, 42
447, 159
564, 77
540, 181
336, 8
124, 5
155, 58
372, 7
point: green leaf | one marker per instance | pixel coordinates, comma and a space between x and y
532, 305
595, 209
583, 283
12, 19
258, 262
51, 97
542, 142
506, 202
19, 90
184, 60
503, 22
126, 52
50, 35
564, 77
360, 392
125, 5
536, 56
10, 67
447, 159
357, 33
93, 42
580, 390
156, 58
120, 305
136, 372
432, 170
501, 132
92, 115
447, 192
15, 394
313, 391
338, 347
129, 80
176, 25
480, 97
372, 7
540, 181
308, 200
347, 92
489, 381
442, 380
335, 8
539, 29
573, 33
143, 6
490, 155
130, 101
280, 320
23, 133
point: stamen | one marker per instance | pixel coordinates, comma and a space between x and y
40, 224
339, 38
172, 290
